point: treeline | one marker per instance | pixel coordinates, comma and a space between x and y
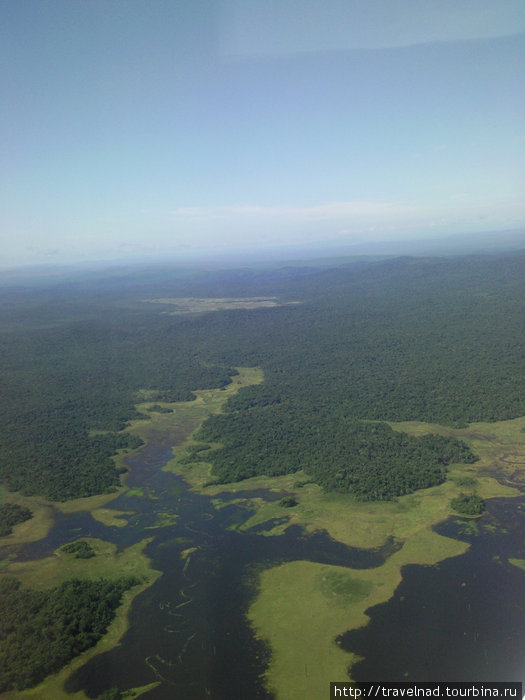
41, 631
10, 515
60, 385
369, 460
53, 456
437, 340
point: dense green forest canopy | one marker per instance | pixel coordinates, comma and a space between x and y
432, 339
10, 515
342, 454
40, 631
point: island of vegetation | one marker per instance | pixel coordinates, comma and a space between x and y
468, 504
80, 549
12, 514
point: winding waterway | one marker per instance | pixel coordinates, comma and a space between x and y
189, 630
461, 620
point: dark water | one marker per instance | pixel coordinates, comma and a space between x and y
461, 620
189, 630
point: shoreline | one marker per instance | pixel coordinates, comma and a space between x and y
305, 656
336, 597
51, 570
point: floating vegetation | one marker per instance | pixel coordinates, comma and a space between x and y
164, 519
520, 563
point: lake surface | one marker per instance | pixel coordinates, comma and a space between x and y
188, 630
461, 620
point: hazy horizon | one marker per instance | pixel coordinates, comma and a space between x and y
324, 253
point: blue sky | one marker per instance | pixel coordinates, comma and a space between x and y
156, 128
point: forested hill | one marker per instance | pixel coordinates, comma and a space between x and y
433, 339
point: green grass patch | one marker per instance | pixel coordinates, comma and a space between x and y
92, 504
342, 589
302, 607
136, 491
63, 565
333, 599
520, 563
466, 482
468, 526
163, 519
111, 518
35, 528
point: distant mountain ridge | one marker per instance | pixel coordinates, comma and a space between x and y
323, 253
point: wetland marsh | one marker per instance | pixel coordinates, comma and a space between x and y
341, 541
240, 575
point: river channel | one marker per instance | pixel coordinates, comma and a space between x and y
188, 631
461, 620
